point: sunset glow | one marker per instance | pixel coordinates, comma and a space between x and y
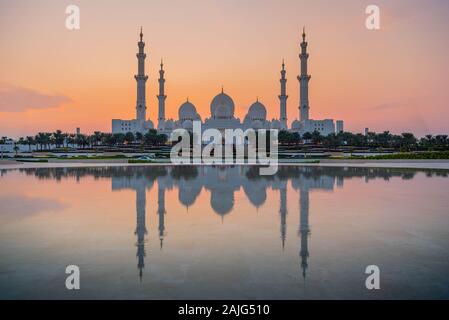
392, 79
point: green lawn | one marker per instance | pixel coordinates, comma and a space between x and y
435, 155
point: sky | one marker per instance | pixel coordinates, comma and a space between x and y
391, 79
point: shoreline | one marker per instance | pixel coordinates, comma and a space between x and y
403, 164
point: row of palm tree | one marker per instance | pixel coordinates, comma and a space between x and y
58, 139
405, 141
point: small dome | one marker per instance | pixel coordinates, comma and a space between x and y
187, 111
256, 124
222, 100
187, 124
276, 124
169, 125
296, 125
257, 111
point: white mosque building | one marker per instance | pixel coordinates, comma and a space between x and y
222, 107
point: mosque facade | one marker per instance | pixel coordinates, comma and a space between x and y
222, 107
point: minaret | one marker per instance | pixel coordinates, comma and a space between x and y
161, 211
141, 229
304, 229
283, 99
141, 79
304, 81
161, 97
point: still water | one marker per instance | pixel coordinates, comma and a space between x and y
209, 232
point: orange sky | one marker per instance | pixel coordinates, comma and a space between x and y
393, 79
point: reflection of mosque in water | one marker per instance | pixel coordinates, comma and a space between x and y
222, 182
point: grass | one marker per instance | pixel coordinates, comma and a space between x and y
139, 161
435, 155
93, 157
30, 160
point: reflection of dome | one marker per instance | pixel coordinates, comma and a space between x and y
187, 111
222, 105
188, 192
187, 124
222, 202
256, 193
276, 124
296, 125
257, 111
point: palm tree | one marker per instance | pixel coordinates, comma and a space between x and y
16, 149
96, 138
30, 141
119, 138
139, 137
129, 137
58, 138
316, 137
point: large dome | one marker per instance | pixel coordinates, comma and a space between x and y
222, 104
257, 111
187, 111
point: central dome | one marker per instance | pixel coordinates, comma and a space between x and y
257, 111
222, 105
187, 111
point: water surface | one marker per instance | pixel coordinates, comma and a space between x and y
224, 232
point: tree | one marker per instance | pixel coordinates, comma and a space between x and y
81, 140
30, 141
150, 138
286, 137
119, 138
16, 149
59, 138
129, 137
43, 139
139, 137
408, 141
161, 139
307, 136
317, 138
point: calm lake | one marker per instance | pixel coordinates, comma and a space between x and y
160, 232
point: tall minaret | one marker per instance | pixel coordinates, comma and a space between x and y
304, 229
161, 97
141, 79
283, 99
304, 80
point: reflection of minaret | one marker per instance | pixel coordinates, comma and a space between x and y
304, 229
283, 213
141, 229
161, 211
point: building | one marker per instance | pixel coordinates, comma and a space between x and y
222, 107
339, 126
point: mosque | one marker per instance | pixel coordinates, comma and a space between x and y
222, 107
